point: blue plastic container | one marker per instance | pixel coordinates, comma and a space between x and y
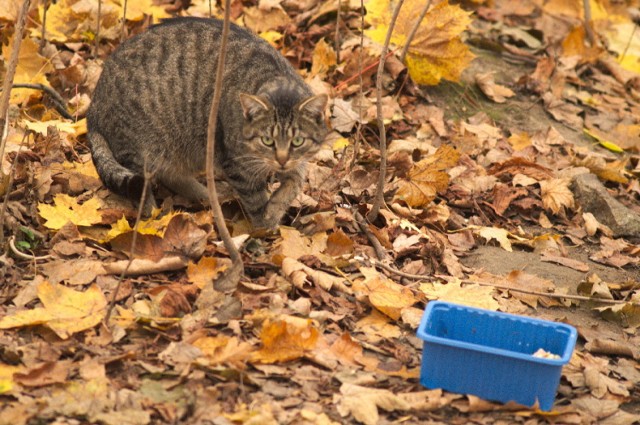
489, 354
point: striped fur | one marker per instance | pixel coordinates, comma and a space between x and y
151, 105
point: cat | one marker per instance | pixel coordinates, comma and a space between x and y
151, 105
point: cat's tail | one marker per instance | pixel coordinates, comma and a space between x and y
115, 177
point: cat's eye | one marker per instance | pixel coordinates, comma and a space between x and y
297, 141
268, 141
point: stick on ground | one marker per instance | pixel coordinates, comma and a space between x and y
377, 201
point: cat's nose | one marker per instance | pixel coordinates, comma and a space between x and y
282, 157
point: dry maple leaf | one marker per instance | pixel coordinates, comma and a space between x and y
385, 295
205, 271
436, 51
472, 295
66, 209
224, 350
556, 195
427, 178
324, 57
65, 311
283, 341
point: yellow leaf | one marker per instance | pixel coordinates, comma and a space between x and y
66, 209
282, 341
151, 226
76, 20
272, 37
40, 127
137, 9
426, 178
204, 272
65, 311
324, 57
472, 295
500, 235
31, 68
556, 195
340, 144
624, 39
436, 51
384, 294
6, 377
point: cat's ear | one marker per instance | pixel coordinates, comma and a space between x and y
314, 106
252, 105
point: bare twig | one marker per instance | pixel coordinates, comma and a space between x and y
498, 286
587, 22
124, 21
414, 30
229, 281
58, 102
134, 240
337, 37
377, 202
43, 39
5, 201
377, 246
356, 144
10, 74
18, 253
97, 39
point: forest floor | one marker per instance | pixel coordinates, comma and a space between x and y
514, 189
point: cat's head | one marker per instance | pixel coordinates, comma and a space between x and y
282, 129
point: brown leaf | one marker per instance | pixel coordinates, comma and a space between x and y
282, 341
493, 91
427, 178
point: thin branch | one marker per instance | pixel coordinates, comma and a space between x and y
414, 30
5, 201
124, 21
58, 102
377, 202
134, 240
337, 37
229, 280
10, 74
356, 144
20, 254
375, 243
587, 22
503, 287
97, 39
43, 33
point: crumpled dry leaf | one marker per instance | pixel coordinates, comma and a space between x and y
363, 403
493, 91
298, 273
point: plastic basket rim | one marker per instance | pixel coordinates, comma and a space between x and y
565, 356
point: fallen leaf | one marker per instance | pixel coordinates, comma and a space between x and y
204, 272
323, 59
31, 69
224, 350
66, 209
65, 311
473, 295
427, 178
556, 195
493, 91
282, 341
436, 51
363, 403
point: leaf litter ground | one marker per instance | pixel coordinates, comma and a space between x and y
480, 203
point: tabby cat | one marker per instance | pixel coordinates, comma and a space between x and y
151, 105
